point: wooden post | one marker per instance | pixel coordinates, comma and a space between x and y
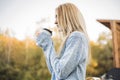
114, 25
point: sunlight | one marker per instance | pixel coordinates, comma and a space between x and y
22, 16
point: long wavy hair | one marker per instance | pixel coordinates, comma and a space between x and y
69, 19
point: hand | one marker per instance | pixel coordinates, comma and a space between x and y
37, 32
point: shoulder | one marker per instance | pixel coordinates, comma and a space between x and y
77, 34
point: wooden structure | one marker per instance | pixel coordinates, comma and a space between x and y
114, 26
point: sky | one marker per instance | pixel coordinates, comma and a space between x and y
22, 16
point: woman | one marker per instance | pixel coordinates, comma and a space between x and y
71, 63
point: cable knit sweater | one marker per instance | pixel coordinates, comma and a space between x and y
72, 63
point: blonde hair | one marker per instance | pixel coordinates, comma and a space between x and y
70, 19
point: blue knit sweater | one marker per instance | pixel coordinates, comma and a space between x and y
72, 63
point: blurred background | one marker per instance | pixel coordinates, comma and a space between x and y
19, 55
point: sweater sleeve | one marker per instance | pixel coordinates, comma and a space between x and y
44, 41
72, 55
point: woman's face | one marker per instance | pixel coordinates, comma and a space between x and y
56, 22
